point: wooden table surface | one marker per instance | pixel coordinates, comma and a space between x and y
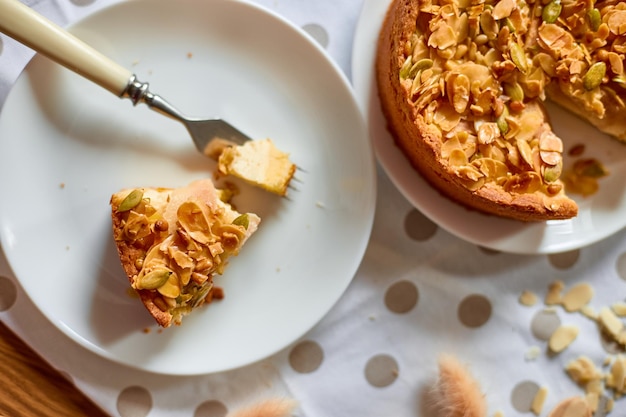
29, 386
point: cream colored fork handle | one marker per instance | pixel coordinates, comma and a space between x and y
26, 26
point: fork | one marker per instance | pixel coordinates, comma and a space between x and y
28, 27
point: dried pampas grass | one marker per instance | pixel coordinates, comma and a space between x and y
274, 407
457, 393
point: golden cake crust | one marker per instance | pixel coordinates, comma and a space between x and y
421, 142
128, 254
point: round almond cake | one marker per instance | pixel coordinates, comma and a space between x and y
462, 85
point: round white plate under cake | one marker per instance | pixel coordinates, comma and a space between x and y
600, 215
66, 145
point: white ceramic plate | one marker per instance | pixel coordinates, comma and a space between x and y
67, 145
600, 215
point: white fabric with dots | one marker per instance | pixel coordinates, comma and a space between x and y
419, 292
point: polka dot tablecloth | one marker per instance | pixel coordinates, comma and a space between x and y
418, 293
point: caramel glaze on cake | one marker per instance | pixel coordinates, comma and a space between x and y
462, 85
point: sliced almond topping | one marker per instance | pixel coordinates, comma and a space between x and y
583, 371
577, 297
528, 298
593, 400
442, 37
562, 337
539, 401
619, 309
617, 63
616, 20
171, 288
618, 374
488, 133
610, 323
589, 312
553, 297
525, 151
503, 9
